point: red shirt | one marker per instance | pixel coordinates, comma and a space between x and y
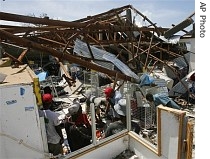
82, 119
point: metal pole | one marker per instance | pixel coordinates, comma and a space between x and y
93, 121
128, 111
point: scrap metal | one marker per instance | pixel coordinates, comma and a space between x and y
113, 31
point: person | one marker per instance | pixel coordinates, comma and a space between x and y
74, 70
191, 95
192, 83
78, 127
120, 124
97, 102
55, 105
53, 126
163, 99
112, 97
47, 89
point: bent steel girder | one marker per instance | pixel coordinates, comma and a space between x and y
107, 22
68, 57
112, 31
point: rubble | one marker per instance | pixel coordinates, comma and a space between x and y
110, 44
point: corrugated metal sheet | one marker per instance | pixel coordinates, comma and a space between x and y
180, 61
179, 89
81, 49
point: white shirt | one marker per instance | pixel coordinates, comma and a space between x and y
53, 120
115, 100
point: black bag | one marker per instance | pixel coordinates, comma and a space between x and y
78, 136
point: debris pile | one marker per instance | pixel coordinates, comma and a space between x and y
118, 46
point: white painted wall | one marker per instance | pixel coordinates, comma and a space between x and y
143, 152
170, 134
170, 125
107, 151
169, 141
20, 125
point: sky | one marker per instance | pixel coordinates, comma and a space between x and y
162, 12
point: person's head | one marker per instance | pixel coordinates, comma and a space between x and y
100, 101
109, 92
47, 100
47, 89
74, 109
149, 97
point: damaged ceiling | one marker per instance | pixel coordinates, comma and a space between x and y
114, 31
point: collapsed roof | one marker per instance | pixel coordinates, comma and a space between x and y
114, 31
